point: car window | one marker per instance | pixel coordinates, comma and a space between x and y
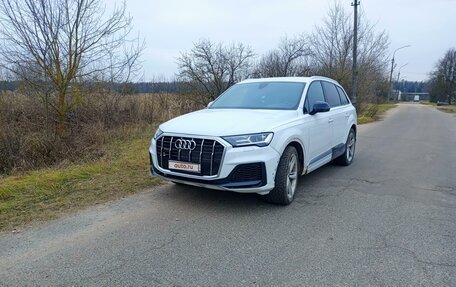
343, 96
261, 95
314, 94
332, 96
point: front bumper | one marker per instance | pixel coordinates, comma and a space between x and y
267, 157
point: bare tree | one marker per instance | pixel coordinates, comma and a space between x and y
443, 78
332, 45
61, 47
291, 58
209, 69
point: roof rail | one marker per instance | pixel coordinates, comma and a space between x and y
321, 77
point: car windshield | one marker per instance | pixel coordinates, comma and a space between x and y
261, 95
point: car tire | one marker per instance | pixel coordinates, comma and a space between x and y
286, 179
347, 157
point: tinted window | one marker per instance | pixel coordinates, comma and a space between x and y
261, 95
314, 94
332, 96
343, 96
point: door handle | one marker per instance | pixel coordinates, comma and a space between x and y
330, 120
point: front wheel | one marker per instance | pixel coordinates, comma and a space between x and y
286, 180
347, 157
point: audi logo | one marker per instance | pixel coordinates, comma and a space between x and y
185, 144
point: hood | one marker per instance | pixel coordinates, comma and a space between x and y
223, 122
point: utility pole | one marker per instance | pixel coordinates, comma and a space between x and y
451, 73
391, 80
451, 79
391, 73
354, 99
399, 72
397, 81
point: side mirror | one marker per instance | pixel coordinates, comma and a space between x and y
210, 104
320, 107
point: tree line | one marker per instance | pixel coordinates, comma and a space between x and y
210, 68
64, 51
411, 86
443, 78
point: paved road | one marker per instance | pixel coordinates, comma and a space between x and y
388, 219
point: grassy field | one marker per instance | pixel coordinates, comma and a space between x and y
373, 112
48, 193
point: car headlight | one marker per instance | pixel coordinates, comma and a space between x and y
157, 133
260, 139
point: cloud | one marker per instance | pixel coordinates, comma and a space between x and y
171, 26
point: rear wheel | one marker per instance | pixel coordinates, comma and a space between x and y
347, 157
286, 180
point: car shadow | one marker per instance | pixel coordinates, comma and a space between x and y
197, 197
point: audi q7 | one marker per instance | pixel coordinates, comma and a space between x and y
259, 136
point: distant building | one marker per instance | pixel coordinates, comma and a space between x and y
409, 97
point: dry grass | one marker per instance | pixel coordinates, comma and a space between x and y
447, 109
28, 137
103, 157
48, 193
428, 103
372, 112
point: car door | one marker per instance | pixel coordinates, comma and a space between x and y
347, 110
337, 118
320, 135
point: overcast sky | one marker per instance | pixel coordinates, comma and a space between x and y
172, 26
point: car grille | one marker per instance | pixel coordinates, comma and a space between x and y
208, 153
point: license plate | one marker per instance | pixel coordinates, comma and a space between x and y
186, 166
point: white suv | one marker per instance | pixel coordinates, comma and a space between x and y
259, 136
